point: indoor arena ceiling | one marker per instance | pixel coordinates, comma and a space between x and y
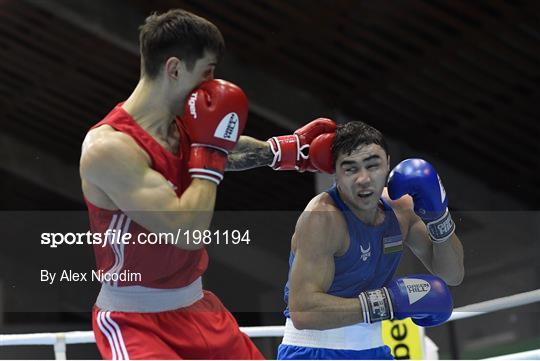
458, 79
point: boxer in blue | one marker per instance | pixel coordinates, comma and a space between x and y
347, 245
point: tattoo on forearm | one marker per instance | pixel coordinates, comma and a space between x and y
243, 161
249, 153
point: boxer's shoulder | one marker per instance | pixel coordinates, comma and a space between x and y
105, 141
322, 224
104, 149
324, 205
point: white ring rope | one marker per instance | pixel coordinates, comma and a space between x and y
497, 304
77, 337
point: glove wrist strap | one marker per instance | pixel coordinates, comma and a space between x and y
276, 151
441, 229
207, 162
285, 150
376, 305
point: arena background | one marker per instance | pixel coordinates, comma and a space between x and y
453, 82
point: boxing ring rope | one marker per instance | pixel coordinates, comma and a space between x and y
60, 339
497, 304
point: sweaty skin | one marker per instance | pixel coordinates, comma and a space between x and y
321, 234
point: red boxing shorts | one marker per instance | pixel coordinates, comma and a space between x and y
204, 330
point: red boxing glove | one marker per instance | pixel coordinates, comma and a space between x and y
320, 153
292, 151
215, 116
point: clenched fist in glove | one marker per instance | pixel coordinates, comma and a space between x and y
424, 298
215, 116
419, 179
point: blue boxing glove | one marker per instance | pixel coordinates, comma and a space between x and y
424, 298
419, 179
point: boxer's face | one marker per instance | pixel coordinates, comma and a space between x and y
361, 176
188, 80
203, 70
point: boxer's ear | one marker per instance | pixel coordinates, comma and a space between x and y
173, 67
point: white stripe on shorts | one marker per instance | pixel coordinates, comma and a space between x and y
111, 330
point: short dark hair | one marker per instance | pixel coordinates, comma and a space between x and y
353, 134
176, 33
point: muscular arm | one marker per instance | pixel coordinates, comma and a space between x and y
249, 153
119, 168
318, 237
441, 259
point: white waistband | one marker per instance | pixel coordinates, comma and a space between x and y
361, 336
144, 299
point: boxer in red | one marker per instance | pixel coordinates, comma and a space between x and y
152, 165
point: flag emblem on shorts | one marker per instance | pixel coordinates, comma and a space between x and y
393, 244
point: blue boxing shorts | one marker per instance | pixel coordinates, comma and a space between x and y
356, 342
